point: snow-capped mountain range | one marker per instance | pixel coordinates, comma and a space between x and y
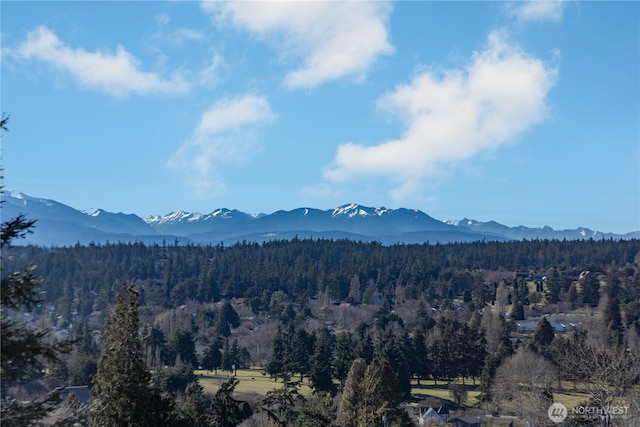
61, 225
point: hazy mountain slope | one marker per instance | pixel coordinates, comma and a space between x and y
59, 224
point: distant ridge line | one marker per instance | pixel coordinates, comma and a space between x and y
61, 225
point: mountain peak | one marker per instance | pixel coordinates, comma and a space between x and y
353, 209
62, 225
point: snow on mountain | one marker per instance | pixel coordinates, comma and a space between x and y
522, 232
59, 224
353, 210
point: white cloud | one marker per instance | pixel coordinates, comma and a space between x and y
225, 133
177, 36
181, 35
210, 74
451, 116
333, 39
117, 74
536, 10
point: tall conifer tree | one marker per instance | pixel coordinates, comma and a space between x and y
23, 349
122, 394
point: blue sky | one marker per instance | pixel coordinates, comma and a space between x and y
519, 112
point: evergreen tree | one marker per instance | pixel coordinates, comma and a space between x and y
343, 357
543, 335
381, 392
281, 404
224, 409
122, 395
227, 357
184, 346
522, 292
156, 348
226, 318
552, 287
212, 358
472, 351
370, 393
397, 353
279, 363
443, 350
195, 407
82, 370
321, 369
85, 344
300, 347
572, 295
613, 320
353, 393
517, 312
23, 349
364, 347
491, 363
420, 358
317, 412
590, 294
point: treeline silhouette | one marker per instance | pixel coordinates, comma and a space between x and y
171, 274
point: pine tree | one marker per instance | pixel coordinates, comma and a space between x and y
613, 320
280, 361
184, 345
552, 287
420, 356
370, 392
353, 393
195, 408
212, 358
543, 335
227, 357
122, 394
317, 412
320, 372
225, 410
23, 349
590, 294
344, 356
21, 346
517, 312
381, 392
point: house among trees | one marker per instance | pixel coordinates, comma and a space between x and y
432, 417
469, 421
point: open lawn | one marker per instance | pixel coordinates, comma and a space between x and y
440, 390
253, 382
250, 381
570, 399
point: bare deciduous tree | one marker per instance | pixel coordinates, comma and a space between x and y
502, 298
608, 373
523, 383
458, 393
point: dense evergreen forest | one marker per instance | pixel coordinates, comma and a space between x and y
172, 274
335, 314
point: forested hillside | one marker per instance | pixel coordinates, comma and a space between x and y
172, 274
331, 314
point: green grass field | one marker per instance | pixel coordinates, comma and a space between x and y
253, 382
250, 381
440, 390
